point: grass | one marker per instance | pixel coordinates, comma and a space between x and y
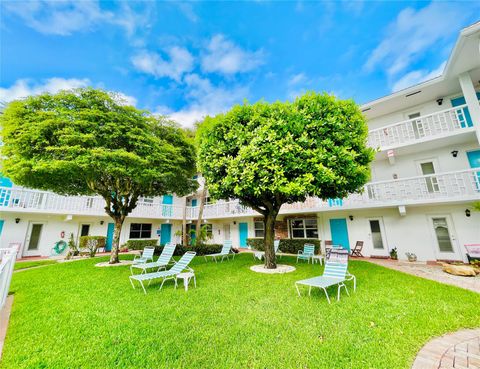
32, 264
75, 315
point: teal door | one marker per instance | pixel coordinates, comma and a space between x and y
110, 228
1, 225
243, 230
474, 161
339, 232
466, 119
166, 233
4, 194
194, 202
167, 209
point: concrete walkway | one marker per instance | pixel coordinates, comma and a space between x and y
454, 350
433, 272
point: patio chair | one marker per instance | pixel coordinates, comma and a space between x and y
147, 255
261, 254
163, 260
224, 253
334, 275
165, 275
357, 250
307, 252
473, 251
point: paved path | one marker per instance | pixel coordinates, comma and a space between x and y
454, 350
433, 272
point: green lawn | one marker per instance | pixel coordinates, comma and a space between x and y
32, 264
74, 315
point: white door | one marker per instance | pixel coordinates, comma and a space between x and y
34, 238
377, 237
226, 232
444, 238
428, 168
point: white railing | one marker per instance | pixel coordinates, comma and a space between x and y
454, 186
417, 129
7, 261
21, 199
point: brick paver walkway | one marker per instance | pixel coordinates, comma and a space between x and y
433, 272
457, 350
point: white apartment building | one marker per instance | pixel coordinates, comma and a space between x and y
425, 177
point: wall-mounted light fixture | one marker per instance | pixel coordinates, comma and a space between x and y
234, 223
101, 222
350, 217
17, 220
454, 153
440, 101
467, 213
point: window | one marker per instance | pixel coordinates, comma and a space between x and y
140, 230
84, 230
303, 228
147, 200
259, 229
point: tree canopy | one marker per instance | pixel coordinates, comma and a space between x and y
87, 141
266, 155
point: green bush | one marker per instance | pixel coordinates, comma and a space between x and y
287, 245
92, 244
200, 249
141, 244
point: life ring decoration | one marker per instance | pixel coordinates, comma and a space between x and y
60, 247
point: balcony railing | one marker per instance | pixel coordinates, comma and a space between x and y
418, 129
20, 199
443, 187
436, 188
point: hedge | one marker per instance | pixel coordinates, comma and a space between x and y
92, 243
287, 245
141, 244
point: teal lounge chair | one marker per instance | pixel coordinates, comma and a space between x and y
261, 254
172, 273
163, 260
225, 253
147, 255
307, 253
333, 275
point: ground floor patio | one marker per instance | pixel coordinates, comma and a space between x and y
76, 315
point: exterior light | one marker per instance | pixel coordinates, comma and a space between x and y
101, 222
467, 213
454, 153
440, 101
17, 220
350, 217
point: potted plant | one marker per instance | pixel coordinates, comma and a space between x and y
394, 254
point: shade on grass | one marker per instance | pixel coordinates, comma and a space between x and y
75, 315
31, 264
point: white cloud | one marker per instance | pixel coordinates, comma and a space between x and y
187, 11
413, 32
223, 56
297, 79
180, 62
68, 16
417, 76
25, 87
205, 99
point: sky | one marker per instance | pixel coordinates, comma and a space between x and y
192, 59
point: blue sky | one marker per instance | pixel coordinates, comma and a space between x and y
195, 58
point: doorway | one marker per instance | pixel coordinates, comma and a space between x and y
377, 235
34, 238
445, 240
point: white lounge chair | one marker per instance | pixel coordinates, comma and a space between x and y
225, 253
261, 254
335, 274
307, 252
162, 262
172, 273
147, 255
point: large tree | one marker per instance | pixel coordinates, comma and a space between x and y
86, 142
267, 155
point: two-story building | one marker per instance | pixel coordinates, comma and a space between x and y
425, 178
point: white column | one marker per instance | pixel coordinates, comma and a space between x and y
471, 99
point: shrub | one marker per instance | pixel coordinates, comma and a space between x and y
287, 245
141, 244
92, 243
200, 249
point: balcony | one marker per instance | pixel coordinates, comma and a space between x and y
424, 128
437, 188
25, 200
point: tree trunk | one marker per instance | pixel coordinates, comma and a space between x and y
184, 226
198, 226
269, 237
116, 239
